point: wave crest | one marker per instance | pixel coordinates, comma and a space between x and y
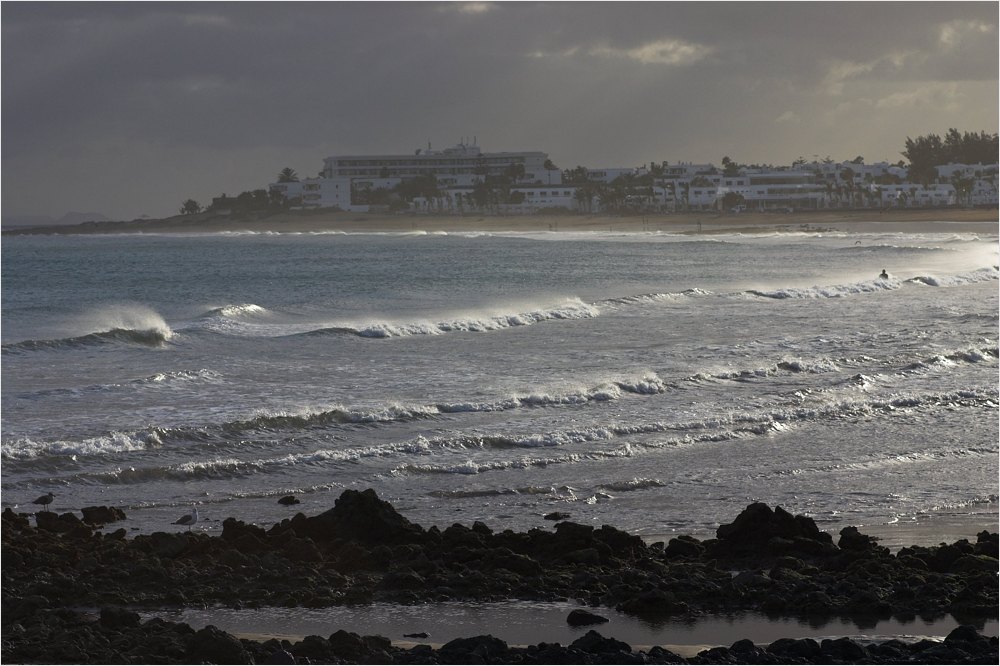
981, 275
153, 337
114, 324
241, 310
570, 309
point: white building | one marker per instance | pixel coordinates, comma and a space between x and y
913, 195
686, 170
608, 175
317, 193
459, 166
761, 190
949, 171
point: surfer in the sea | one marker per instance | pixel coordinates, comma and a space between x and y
884, 275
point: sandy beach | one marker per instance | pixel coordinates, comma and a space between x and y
889, 221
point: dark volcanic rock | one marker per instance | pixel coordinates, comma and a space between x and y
653, 604
684, 546
760, 532
844, 650
361, 517
478, 649
115, 618
211, 645
595, 643
362, 550
101, 515
51, 522
853, 540
582, 618
797, 648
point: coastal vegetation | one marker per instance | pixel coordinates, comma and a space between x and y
926, 152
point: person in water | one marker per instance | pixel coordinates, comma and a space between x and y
884, 275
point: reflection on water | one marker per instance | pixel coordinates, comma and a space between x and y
526, 623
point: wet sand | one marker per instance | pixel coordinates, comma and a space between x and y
983, 221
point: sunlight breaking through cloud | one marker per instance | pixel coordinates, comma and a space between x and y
469, 7
841, 71
954, 33
661, 52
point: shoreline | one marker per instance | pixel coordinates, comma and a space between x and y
362, 552
708, 222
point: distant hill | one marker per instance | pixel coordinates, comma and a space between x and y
11, 221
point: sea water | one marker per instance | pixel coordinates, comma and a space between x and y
531, 623
655, 382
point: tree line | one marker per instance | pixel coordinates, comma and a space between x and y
927, 152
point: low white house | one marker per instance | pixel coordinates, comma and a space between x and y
912, 195
949, 171
317, 193
609, 174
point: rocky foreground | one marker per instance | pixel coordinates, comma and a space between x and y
363, 551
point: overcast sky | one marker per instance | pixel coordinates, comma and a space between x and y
131, 108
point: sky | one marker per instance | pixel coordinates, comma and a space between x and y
130, 108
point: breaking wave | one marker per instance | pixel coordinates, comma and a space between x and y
111, 443
833, 291
657, 297
561, 444
236, 310
785, 366
115, 324
633, 484
153, 337
951, 359
159, 380
491, 492
570, 309
981, 275
646, 384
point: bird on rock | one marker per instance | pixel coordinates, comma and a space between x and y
189, 520
44, 500
288, 500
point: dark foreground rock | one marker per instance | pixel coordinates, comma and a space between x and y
70, 637
362, 550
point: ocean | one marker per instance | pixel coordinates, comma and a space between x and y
655, 382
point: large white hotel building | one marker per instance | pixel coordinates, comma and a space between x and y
456, 170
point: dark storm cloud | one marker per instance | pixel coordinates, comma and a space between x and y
132, 107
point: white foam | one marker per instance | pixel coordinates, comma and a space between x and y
981, 275
114, 442
138, 318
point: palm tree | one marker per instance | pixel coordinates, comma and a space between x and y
963, 188
288, 175
515, 172
190, 207
549, 167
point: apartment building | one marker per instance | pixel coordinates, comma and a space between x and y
317, 193
459, 166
